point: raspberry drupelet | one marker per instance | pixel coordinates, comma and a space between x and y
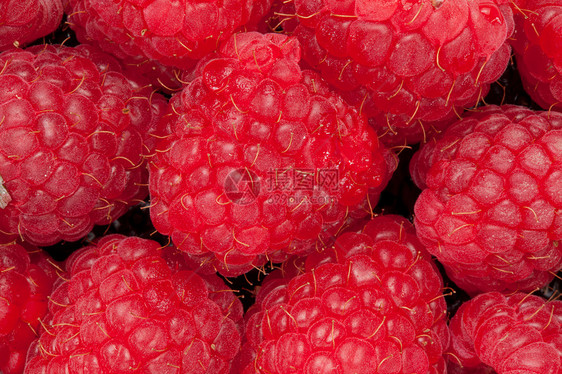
24, 21
172, 32
27, 277
516, 333
537, 43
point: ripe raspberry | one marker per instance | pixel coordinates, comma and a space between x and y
173, 32
264, 160
24, 21
26, 279
537, 44
73, 135
130, 304
491, 206
369, 304
518, 333
409, 65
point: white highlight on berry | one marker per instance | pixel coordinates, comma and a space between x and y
5, 197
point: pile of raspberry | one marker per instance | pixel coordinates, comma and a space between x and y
291, 187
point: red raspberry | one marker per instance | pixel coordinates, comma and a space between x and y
518, 333
173, 32
26, 279
73, 135
372, 303
24, 21
263, 161
492, 198
537, 43
130, 304
409, 65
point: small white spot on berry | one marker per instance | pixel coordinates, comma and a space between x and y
437, 3
5, 197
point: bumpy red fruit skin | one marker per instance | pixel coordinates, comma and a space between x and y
372, 303
75, 130
24, 21
517, 333
263, 161
27, 276
175, 33
491, 200
130, 304
409, 65
537, 43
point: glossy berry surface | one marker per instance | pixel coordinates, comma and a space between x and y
490, 208
130, 304
537, 43
411, 66
24, 21
372, 303
517, 333
263, 161
75, 132
27, 276
174, 33
449, 36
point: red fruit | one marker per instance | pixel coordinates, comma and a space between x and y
409, 65
264, 161
172, 32
24, 21
537, 43
490, 208
130, 304
518, 333
370, 304
26, 279
75, 129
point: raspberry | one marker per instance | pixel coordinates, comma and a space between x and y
130, 304
24, 21
74, 131
537, 44
491, 204
409, 65
263, 160
518, 333
26, 279
372, 303
172, 32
